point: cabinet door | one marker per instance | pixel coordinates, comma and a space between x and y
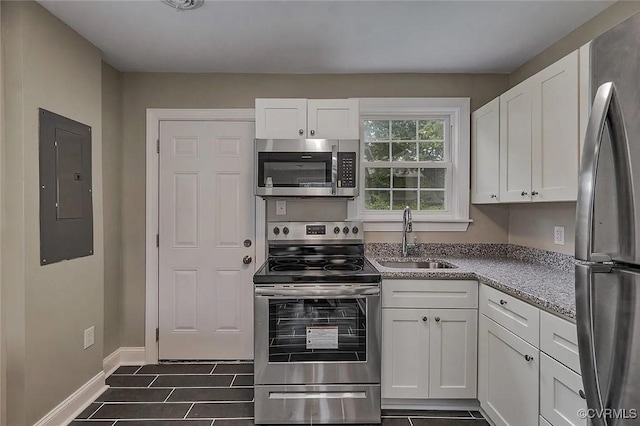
555, 132
281, 118
507, 382
515, 144
405, 353
333, 119
485, 154
560, 400
453, 353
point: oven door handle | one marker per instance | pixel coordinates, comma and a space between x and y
334, 169
317, 293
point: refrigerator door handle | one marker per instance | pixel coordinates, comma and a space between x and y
606, 106
586, 346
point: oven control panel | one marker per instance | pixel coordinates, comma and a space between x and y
319, 231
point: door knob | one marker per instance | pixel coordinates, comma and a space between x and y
437, 319
246, 260
528, 358
424, 318
301, 131
313, 132
534, 192
494, 196
582, 395
523, 193
503, 302
247, 243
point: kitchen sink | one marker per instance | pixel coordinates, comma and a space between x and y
432, 264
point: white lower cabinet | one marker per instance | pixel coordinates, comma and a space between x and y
508, 376
560, 389
429, 353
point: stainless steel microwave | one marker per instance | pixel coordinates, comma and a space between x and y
306, 167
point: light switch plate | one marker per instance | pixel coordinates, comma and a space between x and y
89, 337
281, 207
558, 235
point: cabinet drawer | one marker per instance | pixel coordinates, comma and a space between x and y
515, 315
560, 400
429, 294
559, 339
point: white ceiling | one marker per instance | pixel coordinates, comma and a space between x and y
323, 36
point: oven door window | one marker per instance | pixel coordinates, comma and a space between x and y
294, 169
312, 330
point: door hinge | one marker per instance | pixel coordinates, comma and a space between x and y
157, 240
157, 334
158, 146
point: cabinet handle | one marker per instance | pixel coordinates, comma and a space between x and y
528, 358
301, 131
534, 192
503, 302
424, 318
313, 132
523, 193
437, 319
494, 196
582, 395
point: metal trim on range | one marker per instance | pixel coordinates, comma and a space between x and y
317, 395
322, 291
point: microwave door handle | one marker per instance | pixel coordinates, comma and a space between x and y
334, 169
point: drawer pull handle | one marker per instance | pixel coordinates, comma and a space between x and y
424, 318
528, 358
503, 302
582, 395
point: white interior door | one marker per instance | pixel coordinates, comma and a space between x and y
206, 212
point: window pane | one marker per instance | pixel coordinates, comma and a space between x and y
404, 151
378, 151
431, 151
404, 130
432, 178
377, 178
376, 200
376, 130
401, 199
431, 130
405, 178
431, 200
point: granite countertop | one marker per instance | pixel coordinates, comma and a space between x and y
548, 287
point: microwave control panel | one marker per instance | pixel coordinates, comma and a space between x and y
347, 169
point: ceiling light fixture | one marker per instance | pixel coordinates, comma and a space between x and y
184, 4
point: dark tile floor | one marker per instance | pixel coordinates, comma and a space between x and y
208, 394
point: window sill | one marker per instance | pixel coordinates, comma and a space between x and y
433, 225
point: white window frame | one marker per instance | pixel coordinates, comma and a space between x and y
456, 216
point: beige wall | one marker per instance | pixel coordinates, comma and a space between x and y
532, 225
46, 308
112, 189
166, 90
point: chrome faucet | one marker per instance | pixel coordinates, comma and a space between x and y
406, 228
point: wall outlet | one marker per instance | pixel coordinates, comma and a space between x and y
558, 235
89, 337
281, 207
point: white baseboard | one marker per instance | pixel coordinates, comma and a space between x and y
431, 404
68, 409
123, 356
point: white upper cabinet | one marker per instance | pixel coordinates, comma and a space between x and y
555, 132
485, 153
333, 119
515, 143
541, 122
302, 118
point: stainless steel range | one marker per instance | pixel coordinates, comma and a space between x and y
317, 327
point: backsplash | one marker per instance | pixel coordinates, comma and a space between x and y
564, 262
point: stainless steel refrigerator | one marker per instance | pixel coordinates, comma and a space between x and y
607, 226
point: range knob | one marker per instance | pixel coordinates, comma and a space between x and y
336, 230
345, 229
285, 230
355, 230
276, 230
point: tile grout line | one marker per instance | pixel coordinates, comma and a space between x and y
136, 372
96, 410
410, 422
213, 368
188, 411
233, 380
153, 381
168, 396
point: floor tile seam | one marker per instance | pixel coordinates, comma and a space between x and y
410, 422
213, 368
189, 410
169, 396
182, 374
96, 410
156, 378
232, 381
174, 402
182, 387
167, 419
